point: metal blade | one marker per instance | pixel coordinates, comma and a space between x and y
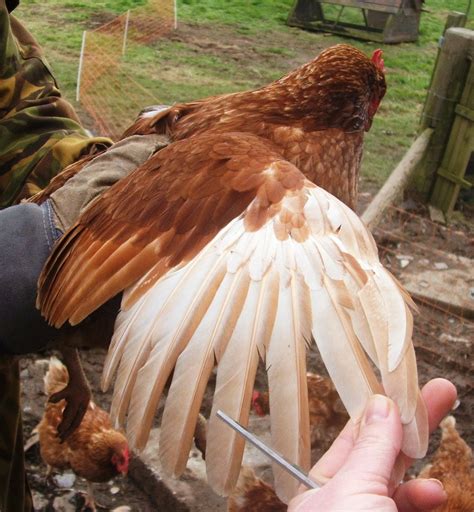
293, 469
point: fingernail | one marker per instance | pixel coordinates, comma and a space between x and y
377, 409
437, 482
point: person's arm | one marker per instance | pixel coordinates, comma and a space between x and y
29, 231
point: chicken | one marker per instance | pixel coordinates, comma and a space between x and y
233, 244
95, 451
327, 415
452, 464
251, 494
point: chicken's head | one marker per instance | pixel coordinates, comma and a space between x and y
260, 403
341, 88
120, 459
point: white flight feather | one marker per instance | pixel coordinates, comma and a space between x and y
340, 350
118, 343
416, 432
288, 392
401, 383
134, 346
181, 317
136, 315
234, 385
354, 280
396, 316
193, 369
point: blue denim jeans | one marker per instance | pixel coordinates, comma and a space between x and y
27, 235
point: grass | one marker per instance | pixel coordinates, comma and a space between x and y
224, 46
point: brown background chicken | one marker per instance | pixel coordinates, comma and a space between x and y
327, 415
94, 451
452, 464
252, 494
228, 252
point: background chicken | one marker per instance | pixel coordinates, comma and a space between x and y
251, 494
327, 415
95, 451
228, 252
452, 464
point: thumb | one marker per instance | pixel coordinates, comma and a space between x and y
371, 461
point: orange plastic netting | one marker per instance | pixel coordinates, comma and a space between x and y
110, 96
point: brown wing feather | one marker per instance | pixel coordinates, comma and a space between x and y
160, 216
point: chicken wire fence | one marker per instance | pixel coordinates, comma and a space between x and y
109, 95
432, 261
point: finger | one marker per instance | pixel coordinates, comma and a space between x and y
72, 423
439, 396
377, 444
298, 502
77, 419
419, 495
57, 397
330, 463
68, 417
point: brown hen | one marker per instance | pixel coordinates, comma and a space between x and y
230, 245
95, 451
251, 494
327, 415
452, 464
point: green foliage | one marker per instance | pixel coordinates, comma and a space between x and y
224, 46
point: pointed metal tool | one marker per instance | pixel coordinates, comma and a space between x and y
293, 469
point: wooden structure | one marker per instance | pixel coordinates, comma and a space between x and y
449, 110
385, 21
450, 175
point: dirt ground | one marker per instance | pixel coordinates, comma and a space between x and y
437, 353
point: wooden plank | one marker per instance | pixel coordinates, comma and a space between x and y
343, 29
305, 10
391, 6
386, 21
397, 181
455, 19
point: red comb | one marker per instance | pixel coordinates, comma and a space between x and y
377, 59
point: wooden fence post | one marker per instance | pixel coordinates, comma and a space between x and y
445, 92
450, 175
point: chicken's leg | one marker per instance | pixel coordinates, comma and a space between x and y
90, 502
77, 393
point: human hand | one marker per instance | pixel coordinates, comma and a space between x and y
364, 461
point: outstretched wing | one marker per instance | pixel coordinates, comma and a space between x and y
227, 254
